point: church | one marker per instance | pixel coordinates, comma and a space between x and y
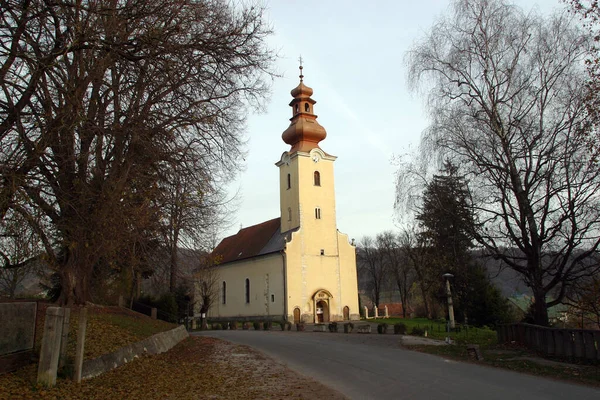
297, 267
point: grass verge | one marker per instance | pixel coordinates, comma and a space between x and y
520, 360
437, 330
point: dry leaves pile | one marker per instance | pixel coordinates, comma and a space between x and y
197, 368
108, 329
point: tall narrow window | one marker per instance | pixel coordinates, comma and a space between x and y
247, 290
224, 292
306, 107
289, 213
289, 181
317, 178
317, 213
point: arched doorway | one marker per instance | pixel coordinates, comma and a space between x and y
346, 313
296, 315
322, 311
321, 306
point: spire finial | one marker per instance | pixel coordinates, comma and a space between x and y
300, 60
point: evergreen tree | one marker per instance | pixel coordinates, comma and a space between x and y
447, 224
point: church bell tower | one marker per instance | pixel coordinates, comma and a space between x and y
307, 195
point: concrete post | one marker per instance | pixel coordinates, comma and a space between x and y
387, 315
376, 312
50, 351
80, 344
366, 312
450, 306
64, 338
153, 313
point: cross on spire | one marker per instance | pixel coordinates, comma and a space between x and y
300, 60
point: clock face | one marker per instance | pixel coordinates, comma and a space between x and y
316, 157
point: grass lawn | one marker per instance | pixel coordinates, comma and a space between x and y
437, 330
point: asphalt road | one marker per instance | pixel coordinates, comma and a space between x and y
361, 368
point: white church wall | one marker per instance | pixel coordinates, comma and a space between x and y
265, 275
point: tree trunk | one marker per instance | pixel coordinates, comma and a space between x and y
425, 302
173, 275
540, 310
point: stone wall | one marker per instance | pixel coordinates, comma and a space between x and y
155, 344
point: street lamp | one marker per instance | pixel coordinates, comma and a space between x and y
447, 276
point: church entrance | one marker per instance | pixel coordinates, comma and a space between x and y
322, 311
321, 304
346, 313
296, 315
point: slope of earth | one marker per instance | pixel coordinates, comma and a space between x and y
197, 368
108, 329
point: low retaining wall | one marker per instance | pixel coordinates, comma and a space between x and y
155, 344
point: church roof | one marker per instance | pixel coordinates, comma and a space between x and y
255, 240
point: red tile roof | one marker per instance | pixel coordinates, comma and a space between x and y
252, 241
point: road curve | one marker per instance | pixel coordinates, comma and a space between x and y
360, 369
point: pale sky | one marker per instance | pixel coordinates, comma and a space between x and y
353, 59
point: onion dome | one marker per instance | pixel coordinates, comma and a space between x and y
304, 132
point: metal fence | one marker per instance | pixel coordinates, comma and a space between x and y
570, 343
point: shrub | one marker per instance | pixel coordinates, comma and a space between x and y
400, 329
285, 325
233, 325
216, 326
348, 327
256, 325
300, 326
382, 328
417, 331
167, 307
267, 325
333, 327
246, 326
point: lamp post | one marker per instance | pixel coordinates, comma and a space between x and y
447, 276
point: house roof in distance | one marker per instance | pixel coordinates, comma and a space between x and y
255, 240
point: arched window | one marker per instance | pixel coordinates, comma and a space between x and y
317, 178
289, 213
247, 290
306, 107
224, 292
297, 108
289, 181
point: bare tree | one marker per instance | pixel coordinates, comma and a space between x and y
100, 99
372, 265
194, 204
589, 13
415, 249
206, 286
19, 254
504, 92
397, 264
584, 299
